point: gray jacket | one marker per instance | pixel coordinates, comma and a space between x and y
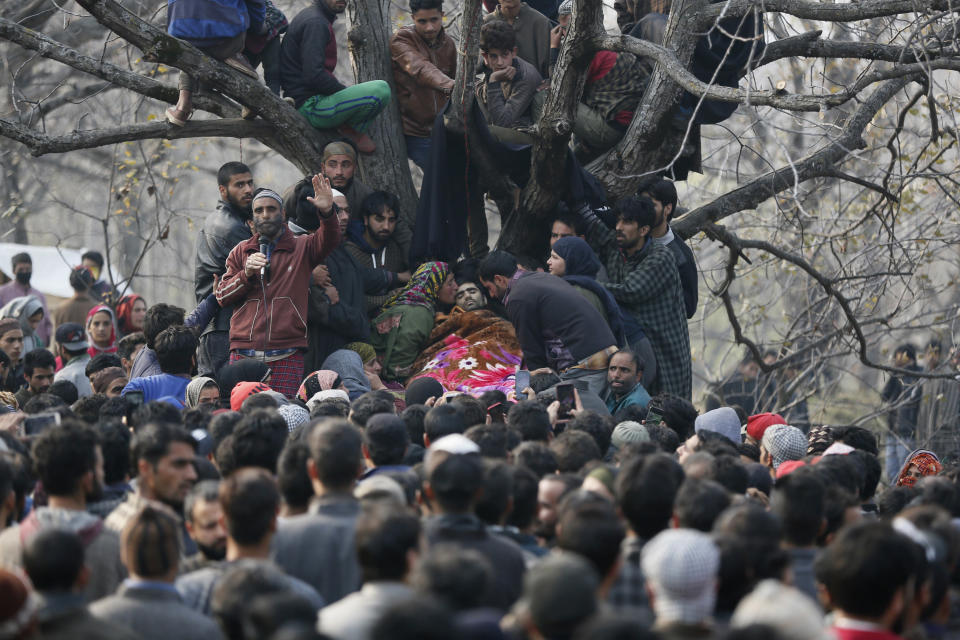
155, 612
222, 230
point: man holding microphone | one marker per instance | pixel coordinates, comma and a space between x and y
268, 280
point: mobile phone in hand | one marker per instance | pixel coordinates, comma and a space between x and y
567, 400
522, 382
654, 417
40, 422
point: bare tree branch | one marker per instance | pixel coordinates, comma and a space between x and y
845, 12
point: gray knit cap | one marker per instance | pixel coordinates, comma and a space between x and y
783, 443
723, 420
629, 431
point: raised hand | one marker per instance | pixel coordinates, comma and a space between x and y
322, 194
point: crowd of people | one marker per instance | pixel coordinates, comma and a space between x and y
342, 441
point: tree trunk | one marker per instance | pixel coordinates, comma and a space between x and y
368, 23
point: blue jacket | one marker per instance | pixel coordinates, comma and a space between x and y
203, 22
638, 396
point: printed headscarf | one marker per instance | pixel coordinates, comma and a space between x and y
318, 381
927, 462
423, 288
93, 349
125, 310
20, 309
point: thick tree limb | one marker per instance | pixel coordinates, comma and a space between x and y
41, 144
53, 50
841, 12
819, 163
809, 45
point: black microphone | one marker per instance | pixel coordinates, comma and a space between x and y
265, 268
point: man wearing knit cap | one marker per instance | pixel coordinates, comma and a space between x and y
681, 566
780, 443
270, 289
723, 421
629, 432
759, 423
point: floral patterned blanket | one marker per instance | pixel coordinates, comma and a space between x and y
470, 351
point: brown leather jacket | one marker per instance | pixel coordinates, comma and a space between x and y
422, 73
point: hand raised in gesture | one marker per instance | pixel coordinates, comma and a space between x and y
322, 195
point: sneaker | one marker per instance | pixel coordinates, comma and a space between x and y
239, 62
364, 143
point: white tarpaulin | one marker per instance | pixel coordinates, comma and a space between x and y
51, 266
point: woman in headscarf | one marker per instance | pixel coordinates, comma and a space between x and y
130, 314
28, 311
572, 259
919, 464
322, 380
202, 391
101, 330
403, 327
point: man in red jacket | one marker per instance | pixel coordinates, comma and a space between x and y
268, 282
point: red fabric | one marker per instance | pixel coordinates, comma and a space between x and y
758, 423
601, 65
858, 634
124, 309
93, 349
788, 467
285, 377
244, 390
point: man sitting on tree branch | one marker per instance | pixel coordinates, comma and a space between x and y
308, 57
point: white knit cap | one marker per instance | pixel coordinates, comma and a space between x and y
681, 566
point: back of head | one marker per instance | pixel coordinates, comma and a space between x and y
53, 559
856, 437
789, 611
443, 421
65, 390
115, 444
531, 420
456, 481
129, 343
497, 491
421, 390
249, 499
864, 567
491, 438
370, 404
386, 439
336, 454
292, 477
459, 577
150, 543
798, 500
420, 618
43, 402
574, 449
730, 473
681, 569
471, 409
81, 279
646, 488
176, 349
592, 530
699, 503
525, 488
537, 457
238, 588
63, 454
560, 594
497, 263
783, 442
100, 362
256, 441
159, 317
385, 536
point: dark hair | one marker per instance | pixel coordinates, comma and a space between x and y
386, 439
856, 437
222, 425
129, 343
176, 349
497, 263
256, 441
20, 258
63, 454
699, 502
730, 473
80, 279
864, 567
413, 417
43, 402
638, 209
377, 201
419, 618
590, 528
418, 5
664, 192
456, 481
537, 457
53, 559
665, 437
93, 256
443, 421
384, 537
473, 411
497, 34
572, 220
573, 450
370, 404
525, 487
595, 425
750, 450
678, 414
543, 381
908, 349
331, 408
159, 317
281, 616
100, 362
497, 491
894, 500
155, 411
460, 577
645, 489
716, 444
250, 499
151, 542
229, 170
202, 491
152, 442
871, 475
798, 500
633, 355
115, 444
292, 476
88, 408
531, 420
836, 501
239, 587
335, 448
845, 471
63, 389
491, 438
38, 359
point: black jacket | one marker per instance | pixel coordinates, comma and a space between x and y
223, 229
556, 326
688, 273
308, 55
